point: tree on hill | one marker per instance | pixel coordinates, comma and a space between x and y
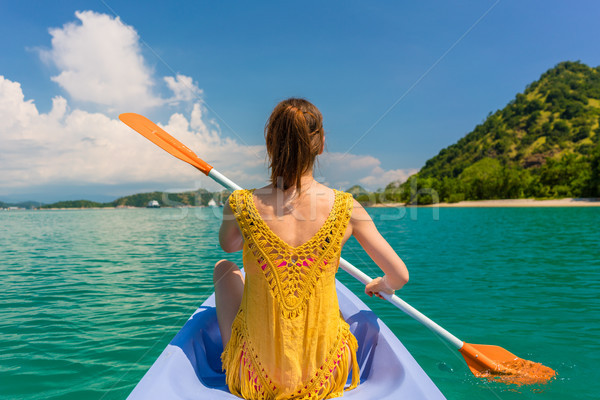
139, 199
76, 204
363, 196
356, 190
544, 143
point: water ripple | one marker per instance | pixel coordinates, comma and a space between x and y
90, 298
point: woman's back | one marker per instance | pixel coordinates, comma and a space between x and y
288, 338
296, 218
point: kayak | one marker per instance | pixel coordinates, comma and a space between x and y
190, 366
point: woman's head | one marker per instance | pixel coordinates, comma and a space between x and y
294, 135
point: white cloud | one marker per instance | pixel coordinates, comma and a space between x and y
344, 170
15, 112
183, 88
379, 178
100, 62
77, 147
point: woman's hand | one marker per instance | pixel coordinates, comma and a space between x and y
376, 286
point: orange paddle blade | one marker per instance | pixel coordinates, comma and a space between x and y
498, 364
162, 139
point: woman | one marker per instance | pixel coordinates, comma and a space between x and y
282, 331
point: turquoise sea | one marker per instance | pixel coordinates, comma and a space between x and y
90, 298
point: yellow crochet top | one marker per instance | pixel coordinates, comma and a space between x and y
289, 340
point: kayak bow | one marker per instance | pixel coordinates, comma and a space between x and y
190, 366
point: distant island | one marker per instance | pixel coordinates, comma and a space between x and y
545, 144
200, 197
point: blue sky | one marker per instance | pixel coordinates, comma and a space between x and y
211, 72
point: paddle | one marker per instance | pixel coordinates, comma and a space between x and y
492, 362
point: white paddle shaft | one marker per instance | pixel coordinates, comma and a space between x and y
404, 306
364, 278
223, 180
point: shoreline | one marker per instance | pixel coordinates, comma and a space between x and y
566, 202
97, 208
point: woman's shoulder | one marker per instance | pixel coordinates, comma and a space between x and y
239, 193
237, 199
345, 195
359, 214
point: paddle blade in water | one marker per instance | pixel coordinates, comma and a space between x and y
498, 364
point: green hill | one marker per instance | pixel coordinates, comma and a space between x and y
362, 195
21, 204
77, 204
199, 197
545, 144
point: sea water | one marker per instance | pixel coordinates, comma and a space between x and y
90, 298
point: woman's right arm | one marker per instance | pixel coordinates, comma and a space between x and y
230, 236
380, 251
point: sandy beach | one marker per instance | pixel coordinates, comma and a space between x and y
566, 202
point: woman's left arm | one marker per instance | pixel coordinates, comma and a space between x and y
230, 236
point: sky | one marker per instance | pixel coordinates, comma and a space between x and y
396, 82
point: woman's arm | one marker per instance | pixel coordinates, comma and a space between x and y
230, 236
380, 251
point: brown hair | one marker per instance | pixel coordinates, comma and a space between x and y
294, 137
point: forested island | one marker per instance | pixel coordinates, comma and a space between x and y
544, 144
200, 197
